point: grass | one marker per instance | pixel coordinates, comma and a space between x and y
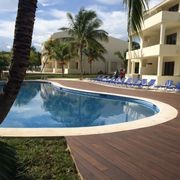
43, 158
45, 76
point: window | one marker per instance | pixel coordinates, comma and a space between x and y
136, 68
171, 39
169, 68
174, 8
113, 66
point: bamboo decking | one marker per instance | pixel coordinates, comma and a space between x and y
148, 153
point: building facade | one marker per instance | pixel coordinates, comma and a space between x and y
159, 54
111, 64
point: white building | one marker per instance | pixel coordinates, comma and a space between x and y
112, 62
159, 54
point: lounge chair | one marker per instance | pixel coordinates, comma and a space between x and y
168, 85
131, 83
120, 81
150, 83
177, 87
127, 81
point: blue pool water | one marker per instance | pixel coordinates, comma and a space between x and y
44, 105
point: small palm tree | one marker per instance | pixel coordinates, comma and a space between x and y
48, 52
84, 29
94, 52
62, 53
122, 57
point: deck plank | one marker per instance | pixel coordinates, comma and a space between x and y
147, 153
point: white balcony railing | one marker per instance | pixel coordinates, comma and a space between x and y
156, 50
163, 16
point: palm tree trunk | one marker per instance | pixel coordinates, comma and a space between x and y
62, 66
21, 51
0, 73
90, 65
80, 61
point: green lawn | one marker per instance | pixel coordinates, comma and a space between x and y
45, 76
43, 158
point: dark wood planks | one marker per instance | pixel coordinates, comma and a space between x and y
148, 153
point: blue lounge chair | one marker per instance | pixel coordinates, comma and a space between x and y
177, 87
168, 85
150, 83
120, 81
127, 81
134, 81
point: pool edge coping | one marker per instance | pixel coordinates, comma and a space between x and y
166, 113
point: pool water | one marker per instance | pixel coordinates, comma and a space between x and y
43, 105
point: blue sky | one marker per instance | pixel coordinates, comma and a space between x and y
51, 15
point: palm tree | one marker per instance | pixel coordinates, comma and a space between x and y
94, 52
62, 53
48, 52
20, 57
136, 9
122, 57
84, 29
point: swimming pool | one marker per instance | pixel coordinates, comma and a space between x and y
44, 109
43, 105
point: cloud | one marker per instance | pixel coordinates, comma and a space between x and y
110, 2
153, 3
8, 5
44, 28
114, 22
7, 28
46, 3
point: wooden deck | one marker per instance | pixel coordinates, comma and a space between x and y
148, 153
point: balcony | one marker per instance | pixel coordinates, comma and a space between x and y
156, 50
161, 17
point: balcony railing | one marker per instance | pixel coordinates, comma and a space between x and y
156, 50
163, 16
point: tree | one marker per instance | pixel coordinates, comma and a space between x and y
62, 53
4, 61
84, 29
122, 57
34, 59
94, 52
136, 10
20, 56
48, 52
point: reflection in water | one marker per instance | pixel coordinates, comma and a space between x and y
26, 94
43, 105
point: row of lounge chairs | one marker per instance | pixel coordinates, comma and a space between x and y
136, 82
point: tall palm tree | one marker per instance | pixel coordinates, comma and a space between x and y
94, 52
136, 9
62, 53
21, 51
84, 29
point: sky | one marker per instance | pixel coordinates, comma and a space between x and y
51, 15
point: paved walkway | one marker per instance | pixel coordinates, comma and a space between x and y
148, 153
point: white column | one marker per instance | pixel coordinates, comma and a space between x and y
55, 66
162, 34
133, 67
129, 67
179, 6
141, 42
140, 67
160, 66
